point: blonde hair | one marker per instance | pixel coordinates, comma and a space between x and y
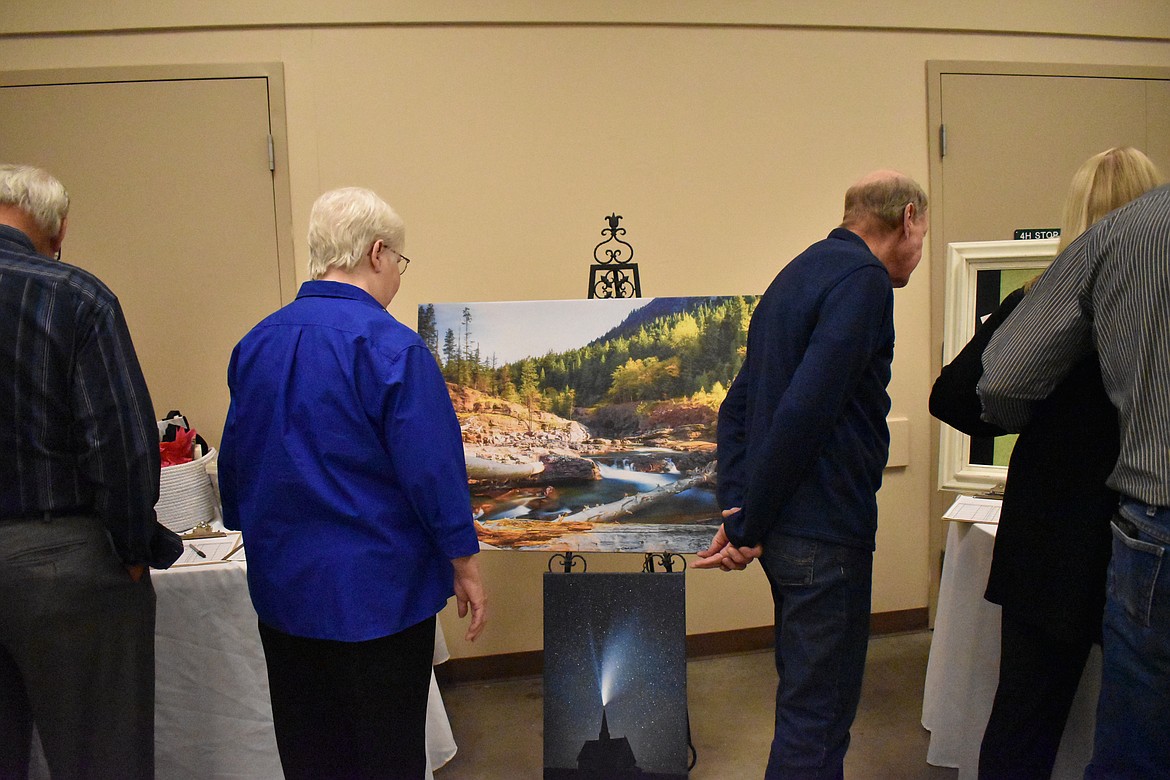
1105, 182
344, 224
36, 193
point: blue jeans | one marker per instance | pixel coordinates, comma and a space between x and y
1133, 712
822, 599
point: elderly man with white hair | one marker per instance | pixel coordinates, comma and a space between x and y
342, 463
80, 463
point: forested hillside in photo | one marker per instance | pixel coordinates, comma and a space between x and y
680, 349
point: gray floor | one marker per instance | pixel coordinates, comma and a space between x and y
498, 725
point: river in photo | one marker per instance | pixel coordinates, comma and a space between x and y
618, 480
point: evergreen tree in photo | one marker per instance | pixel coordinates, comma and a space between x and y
450, 355
428, 330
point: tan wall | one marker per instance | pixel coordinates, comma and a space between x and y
726, 148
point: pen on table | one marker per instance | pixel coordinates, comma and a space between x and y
197, 551
234, 550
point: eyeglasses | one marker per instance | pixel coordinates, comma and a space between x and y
402, 262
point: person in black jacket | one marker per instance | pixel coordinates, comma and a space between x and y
1053, 542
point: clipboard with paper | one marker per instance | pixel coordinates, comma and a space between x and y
228, 547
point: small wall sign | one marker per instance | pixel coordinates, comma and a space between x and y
1024, 234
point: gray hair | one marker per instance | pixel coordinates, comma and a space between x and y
344, 224
36, 193
882, 200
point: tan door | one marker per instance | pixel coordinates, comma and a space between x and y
1014, 136
172, 206
1014, 142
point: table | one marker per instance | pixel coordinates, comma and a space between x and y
963, 669
213, 718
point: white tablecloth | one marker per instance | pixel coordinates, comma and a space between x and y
213, 718
963, 669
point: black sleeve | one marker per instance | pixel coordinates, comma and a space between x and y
953, 398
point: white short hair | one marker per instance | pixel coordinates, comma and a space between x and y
36, 193
344, 224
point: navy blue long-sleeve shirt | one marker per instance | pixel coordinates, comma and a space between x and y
803, 437
77, 428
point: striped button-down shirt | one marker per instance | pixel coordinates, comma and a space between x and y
1111, 289
77, 428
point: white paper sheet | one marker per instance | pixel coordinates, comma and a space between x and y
210, 550
969, 509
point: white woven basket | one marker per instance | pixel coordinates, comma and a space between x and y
185, 497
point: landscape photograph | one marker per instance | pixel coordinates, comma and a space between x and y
590, 425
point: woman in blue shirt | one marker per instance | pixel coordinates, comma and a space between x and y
342, 463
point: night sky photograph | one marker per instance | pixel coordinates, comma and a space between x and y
615, 695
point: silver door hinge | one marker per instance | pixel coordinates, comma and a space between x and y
942, 140
271, 154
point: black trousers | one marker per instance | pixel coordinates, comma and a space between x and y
351, 710
76, 653
1038, 679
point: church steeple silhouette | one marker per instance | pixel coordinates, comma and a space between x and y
606, 756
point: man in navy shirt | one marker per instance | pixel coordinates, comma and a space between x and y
802, 445
342, 463
79, 462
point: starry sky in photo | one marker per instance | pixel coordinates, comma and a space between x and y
621, 636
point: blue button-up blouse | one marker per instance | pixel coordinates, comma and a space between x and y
342, 463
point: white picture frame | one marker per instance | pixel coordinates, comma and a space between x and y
965, 261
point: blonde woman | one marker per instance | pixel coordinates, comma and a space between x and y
1053, 543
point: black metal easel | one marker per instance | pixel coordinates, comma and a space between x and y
613, 274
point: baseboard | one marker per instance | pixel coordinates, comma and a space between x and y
899, 620
741, 640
